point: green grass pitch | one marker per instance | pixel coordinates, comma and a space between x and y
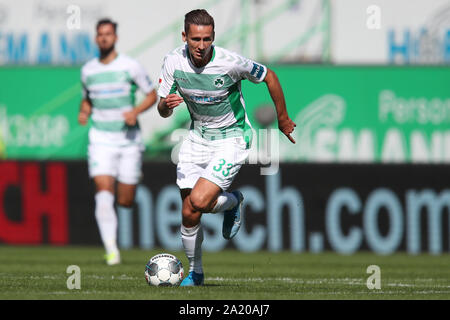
40, 273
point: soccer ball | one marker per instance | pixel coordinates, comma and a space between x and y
164, 270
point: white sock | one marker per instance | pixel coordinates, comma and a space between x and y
192, 239
225, 201
106, 220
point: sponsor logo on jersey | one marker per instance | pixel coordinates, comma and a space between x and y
107, 91
180, 79
257, 70
205, 98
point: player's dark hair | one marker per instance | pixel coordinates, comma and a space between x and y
198, 17
107, 21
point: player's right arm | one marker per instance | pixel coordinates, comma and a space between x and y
167, 88
167, 104
86, 105
85, 112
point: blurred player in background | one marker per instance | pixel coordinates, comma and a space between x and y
208, 78
115, 144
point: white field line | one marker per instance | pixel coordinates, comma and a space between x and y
121, 277
319, 281
373, 292
305, 293
418, 283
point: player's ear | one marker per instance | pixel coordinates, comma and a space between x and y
183, 36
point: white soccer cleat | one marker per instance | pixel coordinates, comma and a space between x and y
112, 258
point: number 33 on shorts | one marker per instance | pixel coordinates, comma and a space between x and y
223, 165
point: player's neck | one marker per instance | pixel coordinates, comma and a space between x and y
108, 57
204, 62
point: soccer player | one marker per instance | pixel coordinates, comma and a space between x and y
115, 143
208, 79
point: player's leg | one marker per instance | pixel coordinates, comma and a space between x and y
192, 161
125, 203
203, 196
201, 199
129, 174
106, 217
208, 196
126, 194
102, 163
229, 156
192, 239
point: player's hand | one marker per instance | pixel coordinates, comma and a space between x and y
286, 125
173, 100
83, 118
130, 117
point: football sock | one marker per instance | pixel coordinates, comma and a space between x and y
125, 215
225, 201
192, 239
106, 220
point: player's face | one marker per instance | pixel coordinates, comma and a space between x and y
106, 37
199, 40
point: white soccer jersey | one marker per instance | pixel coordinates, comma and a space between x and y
111, 89
212, 93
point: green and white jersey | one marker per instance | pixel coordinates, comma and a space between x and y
212, 93
111, 89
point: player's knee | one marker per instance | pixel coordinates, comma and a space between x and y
127, 202
191, 217
199, 202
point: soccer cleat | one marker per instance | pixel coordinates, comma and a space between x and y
232, 218
112, 258
193, 279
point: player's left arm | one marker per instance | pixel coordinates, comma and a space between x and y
141, 79
149, 100
285, 124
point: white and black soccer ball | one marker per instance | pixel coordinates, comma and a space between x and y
164, 270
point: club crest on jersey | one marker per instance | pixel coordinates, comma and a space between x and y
219, 82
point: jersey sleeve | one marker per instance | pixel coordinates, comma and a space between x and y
167, 83
249, 69
141, 78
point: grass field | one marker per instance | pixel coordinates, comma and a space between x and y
40, 273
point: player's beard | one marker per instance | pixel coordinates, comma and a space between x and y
106, 51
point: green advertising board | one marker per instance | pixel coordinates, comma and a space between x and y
362, 114
38, 113
343, 114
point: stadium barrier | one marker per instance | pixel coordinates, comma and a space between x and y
302, 208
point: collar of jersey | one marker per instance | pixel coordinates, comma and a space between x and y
192, 63
115, 59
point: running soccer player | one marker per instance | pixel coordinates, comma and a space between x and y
208, 78
115, 143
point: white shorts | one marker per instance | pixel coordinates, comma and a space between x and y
218, 161
121, 162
